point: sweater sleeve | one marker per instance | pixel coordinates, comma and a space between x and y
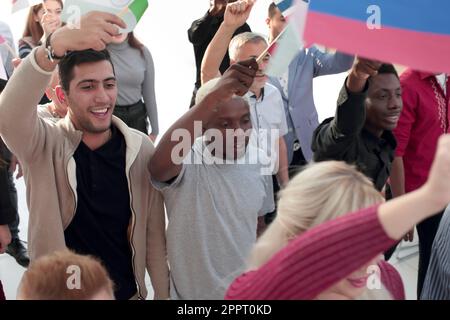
315, 260
148, 92
334, 137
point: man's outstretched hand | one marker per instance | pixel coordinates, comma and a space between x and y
237, 80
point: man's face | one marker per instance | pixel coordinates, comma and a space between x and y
254, 50
276, 24
92, 96
233, 122
384, 102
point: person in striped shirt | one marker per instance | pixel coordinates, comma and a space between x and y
437, 280
321, 257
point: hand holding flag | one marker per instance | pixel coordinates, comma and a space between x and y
362, 70
97, 29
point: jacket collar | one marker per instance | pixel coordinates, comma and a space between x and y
133, 139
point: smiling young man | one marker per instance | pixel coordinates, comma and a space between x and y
368, 110
86, 176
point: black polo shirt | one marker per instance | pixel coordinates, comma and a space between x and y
103, 212
343, 138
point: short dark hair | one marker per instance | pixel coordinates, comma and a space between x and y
387, 68
272, 10
75, 58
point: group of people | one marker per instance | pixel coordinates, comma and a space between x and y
257, 198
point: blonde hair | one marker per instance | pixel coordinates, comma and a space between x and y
47, 278
323, 191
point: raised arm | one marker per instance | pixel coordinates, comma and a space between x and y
324, 255
235, 81
333, 137
330, 63
236, 14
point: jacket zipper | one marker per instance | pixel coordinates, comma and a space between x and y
74, 195
133, 224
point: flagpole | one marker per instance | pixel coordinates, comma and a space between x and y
262, 55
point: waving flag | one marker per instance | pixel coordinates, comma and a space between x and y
289, 42
131, 11
23, 4
415, 33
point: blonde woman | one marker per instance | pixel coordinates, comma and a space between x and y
315, 261
322, 192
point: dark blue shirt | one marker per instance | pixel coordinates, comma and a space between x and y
103, 212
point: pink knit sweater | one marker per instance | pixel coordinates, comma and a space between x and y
318, 259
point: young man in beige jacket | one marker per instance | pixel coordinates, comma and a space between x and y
87, 180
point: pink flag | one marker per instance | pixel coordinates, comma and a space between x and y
414, 33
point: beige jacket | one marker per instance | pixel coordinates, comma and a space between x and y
46, 153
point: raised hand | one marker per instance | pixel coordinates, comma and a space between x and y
96, 30
237, 13
365, 68
236, 80
362, 70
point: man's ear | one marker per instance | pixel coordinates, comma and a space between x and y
48, 93
268, 22
60, 94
